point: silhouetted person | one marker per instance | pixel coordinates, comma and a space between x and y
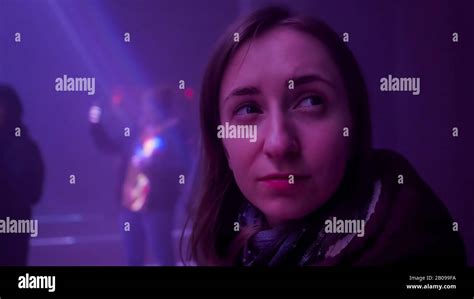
21, 178
151, 162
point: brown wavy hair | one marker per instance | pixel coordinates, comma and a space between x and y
213, 239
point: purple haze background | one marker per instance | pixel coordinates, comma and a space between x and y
172, 40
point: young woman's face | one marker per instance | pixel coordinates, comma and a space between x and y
300, 152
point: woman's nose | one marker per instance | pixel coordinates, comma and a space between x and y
281, 139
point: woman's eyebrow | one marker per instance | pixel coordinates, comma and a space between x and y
305, 79
243, 91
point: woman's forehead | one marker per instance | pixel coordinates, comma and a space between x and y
280, 54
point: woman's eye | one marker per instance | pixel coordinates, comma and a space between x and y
246, 109
310, 101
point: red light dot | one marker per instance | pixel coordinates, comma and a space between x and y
117, 99
189, 93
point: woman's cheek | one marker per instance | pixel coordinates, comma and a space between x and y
238, 154
326, 151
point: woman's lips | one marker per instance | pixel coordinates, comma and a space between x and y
282, 182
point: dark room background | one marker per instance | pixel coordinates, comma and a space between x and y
172, 41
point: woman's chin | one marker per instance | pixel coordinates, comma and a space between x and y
278, 211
